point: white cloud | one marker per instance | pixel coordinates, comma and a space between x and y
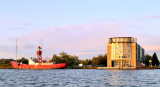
73, 38
76, 39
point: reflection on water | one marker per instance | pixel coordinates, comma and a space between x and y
79, 77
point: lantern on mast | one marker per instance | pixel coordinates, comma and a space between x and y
39, 53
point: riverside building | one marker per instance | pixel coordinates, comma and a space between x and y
124, 52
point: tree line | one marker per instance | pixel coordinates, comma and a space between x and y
99, 60
73, 60
94, 61
153, 58
65, 58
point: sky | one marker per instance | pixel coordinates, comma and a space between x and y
77, 27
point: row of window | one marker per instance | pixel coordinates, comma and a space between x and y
123, 39
121, 56
121, 45
122, 63
122, 50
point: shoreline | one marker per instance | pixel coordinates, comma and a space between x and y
98, 68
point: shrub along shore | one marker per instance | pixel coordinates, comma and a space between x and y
6, 66
73, 61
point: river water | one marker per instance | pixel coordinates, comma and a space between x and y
79, 78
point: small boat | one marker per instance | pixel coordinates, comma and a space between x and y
39, 63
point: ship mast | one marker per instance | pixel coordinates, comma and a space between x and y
16, 49
41, 49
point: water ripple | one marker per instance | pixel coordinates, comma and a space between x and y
79, 78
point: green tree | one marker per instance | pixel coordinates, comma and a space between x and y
63, 54
55, 59
82, 62
4, 61
104, 60
155, 60
65, 58
100, 60
72, 60
94, 59
89, 62
23, 60
76, 60
146, 59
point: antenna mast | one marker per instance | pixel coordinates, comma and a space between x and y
16, 49
41, 50
41, 42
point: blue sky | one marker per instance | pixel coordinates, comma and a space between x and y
77, 27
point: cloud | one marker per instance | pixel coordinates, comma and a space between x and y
149, 17
18, 28
145, 18
20, 23
154, 17
86, 53
74, 38
27, 46
27, 23
105, 20
84, 40
152, 47
6, 50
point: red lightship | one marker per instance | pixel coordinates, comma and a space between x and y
39, 63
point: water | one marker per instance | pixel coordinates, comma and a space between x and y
79, 78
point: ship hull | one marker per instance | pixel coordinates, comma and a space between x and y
16, 65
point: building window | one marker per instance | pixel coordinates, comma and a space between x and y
117, 40
113, 39
124, 39
129, 39
110, 40
124, 51
121, 39
124, 46
129, 51
129, 55
116, 46
125, 56
117, 56
117, 51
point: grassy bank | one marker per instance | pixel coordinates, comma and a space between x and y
73, 67
6, 66
77, 67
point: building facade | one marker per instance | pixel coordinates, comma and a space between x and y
124, 52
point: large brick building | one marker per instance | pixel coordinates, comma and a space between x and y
124, 52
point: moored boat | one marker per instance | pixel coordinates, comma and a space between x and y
38, 66
39, 63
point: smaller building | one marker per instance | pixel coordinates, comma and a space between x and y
124, 52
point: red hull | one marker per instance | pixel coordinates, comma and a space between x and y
26, 66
